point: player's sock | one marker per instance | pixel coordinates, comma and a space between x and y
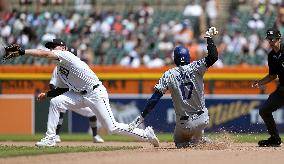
93, 124
59, 123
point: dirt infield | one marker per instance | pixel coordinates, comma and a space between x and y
218, 153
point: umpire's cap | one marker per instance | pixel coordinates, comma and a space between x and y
272, 34
181, 56
55, 42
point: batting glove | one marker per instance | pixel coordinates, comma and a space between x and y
211, 32
134, 124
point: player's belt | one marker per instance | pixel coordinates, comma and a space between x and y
187, 117
85, 92
184, 118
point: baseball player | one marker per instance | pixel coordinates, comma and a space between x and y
85, 90
275, 99
54, 83
185, 82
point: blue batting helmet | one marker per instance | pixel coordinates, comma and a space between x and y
181, 56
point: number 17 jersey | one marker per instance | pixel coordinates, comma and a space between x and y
186, 86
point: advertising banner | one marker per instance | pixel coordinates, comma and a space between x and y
232, 113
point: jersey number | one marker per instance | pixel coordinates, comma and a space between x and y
186, 90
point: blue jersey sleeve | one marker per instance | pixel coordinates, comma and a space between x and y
151, 103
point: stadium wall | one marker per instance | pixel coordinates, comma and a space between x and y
234, 113
133, 87
123, 80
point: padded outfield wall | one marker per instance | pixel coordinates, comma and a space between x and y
233, 104
232, 113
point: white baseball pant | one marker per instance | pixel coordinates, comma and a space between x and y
86, 112
98, 101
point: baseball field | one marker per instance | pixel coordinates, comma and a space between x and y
78, 148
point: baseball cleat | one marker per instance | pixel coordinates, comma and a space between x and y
46, 142
270, 142
184, 145
206, 140
152, 137
57, 139
98, 139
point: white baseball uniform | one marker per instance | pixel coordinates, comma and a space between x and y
187, 91
86, 90
57, 82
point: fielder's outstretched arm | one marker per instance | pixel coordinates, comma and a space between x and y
41, 53
15, 50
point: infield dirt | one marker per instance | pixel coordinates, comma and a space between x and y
227, 153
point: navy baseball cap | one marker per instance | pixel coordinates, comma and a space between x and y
181, 56
55, 42
273, 33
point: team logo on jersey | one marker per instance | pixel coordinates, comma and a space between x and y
63, 71
282, 64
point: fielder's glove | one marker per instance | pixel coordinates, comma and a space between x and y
134, 124
13, 51
211, 32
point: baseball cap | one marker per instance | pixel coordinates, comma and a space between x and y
273, 33
55, 42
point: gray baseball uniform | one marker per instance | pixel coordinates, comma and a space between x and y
187, 91
185, 82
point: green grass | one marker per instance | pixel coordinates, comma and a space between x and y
7, 151
163, 137
240, 138
10, 151
79, 137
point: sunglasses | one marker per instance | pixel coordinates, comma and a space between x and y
272, 39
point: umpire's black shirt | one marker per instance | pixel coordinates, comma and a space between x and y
276, 64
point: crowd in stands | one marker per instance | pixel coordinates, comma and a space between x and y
243, 41
145, 36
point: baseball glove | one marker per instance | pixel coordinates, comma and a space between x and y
211, 32
13, 51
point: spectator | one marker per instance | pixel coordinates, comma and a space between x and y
185, 35
237, 43
143, 28
211, 12
154, 62
5, 30
117, 26
130, 43
255, 23
253, 41
192, 9
131, 60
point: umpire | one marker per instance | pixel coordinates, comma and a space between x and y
275, 99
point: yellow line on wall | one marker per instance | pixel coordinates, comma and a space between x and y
133, 76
